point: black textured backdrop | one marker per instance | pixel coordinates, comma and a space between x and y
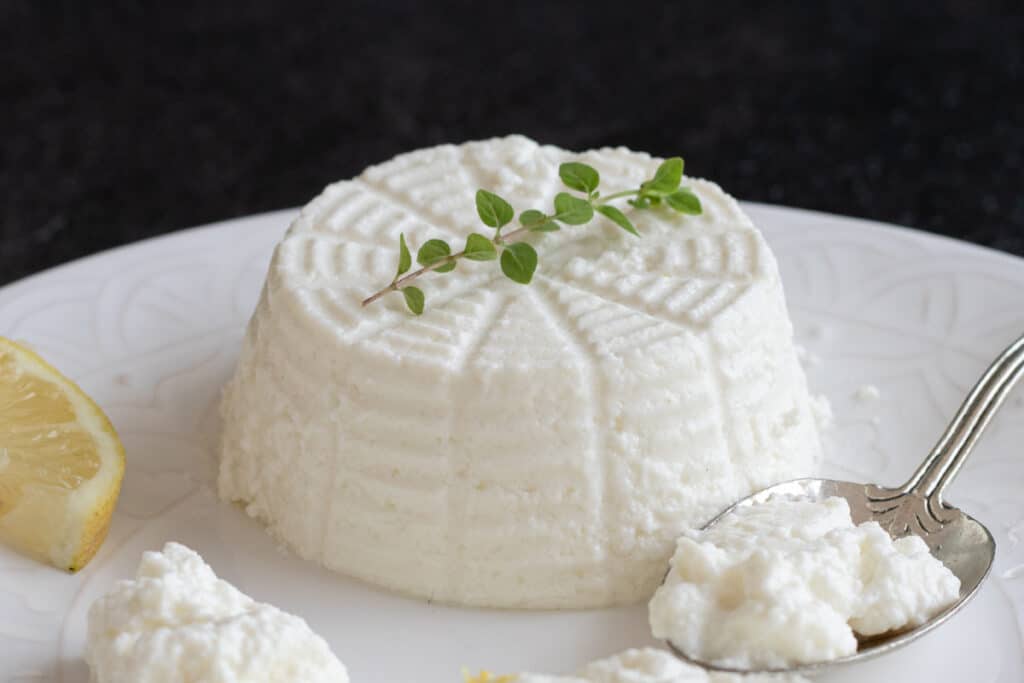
125, 121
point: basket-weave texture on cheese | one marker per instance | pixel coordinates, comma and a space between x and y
515, 446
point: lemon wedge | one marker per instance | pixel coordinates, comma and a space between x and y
61, 463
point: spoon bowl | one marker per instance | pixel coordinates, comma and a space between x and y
960, 542
955, 538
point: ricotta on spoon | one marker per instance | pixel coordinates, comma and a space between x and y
792, 582
176, 621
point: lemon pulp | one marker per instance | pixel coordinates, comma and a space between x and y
61, 464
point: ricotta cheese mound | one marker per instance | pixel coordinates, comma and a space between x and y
537, 446
791, 581
650, 666
178, 622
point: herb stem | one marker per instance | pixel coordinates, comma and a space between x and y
601, 201
397, 284
514, 236
518, 234
518, 259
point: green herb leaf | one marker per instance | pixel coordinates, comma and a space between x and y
433, 251
618, 218
640, 202
518, 262
479, 248
684, 201
404, 257
537, 221
666, 179
493, 210
532, 217
579, 176
572, 210
414, 299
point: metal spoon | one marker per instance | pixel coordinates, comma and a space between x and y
961, 542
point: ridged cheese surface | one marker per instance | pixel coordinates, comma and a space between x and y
515, 446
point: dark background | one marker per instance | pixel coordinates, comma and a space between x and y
124, 121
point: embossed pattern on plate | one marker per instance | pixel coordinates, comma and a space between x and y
152, 331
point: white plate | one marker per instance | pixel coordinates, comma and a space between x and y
152, 331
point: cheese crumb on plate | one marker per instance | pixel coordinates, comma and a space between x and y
646, 665
176, 621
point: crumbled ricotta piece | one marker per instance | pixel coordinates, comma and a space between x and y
176, 621
867, 393
650, 666
790, 581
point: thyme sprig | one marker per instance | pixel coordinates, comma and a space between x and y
518, 259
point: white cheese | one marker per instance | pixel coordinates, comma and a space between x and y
650, 666
790, 581
529, 446
178, 622
868, 393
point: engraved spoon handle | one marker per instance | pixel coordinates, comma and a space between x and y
957, 442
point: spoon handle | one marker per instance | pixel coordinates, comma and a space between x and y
942, 464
